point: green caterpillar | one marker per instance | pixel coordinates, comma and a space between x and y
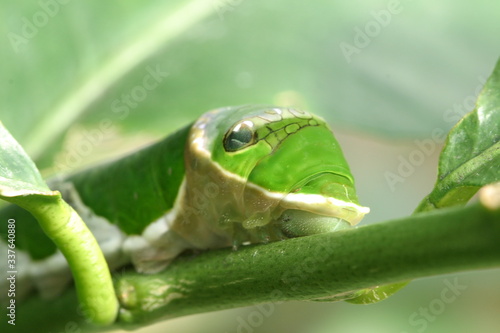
237, 175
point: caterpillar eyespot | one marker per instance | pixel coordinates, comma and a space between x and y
239, 137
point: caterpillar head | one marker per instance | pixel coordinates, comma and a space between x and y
281, 170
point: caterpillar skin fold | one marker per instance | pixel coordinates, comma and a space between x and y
237, 175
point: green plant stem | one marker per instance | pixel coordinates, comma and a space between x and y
317, 266
88, 265
439, 242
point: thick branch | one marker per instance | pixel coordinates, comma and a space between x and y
439, 242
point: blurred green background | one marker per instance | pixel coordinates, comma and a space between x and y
82, 81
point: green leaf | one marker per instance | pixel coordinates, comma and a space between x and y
471, 156
22, 184
18, 174
469, 160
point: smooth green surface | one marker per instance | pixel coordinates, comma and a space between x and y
22, 185
313, 151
